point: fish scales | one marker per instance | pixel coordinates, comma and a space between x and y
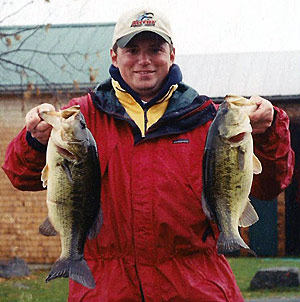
72, 177
228, 167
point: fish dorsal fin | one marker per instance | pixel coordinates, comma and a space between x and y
44, 176
249, 216
257, 168
206, 208
47, 229
95, 229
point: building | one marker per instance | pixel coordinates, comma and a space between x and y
57, 62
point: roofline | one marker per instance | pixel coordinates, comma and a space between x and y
273, 98
233, 53
28, 27
43, 89
84, 87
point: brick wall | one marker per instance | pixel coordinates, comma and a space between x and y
21, 213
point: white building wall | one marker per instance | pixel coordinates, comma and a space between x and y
264, 73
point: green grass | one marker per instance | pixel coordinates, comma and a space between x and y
245, 269
34, 288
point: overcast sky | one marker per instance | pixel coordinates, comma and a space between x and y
199, 26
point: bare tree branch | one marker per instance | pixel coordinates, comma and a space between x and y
30, 57
48, 53
17, 11
46, 81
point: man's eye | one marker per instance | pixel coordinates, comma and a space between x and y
156, 50
132, 50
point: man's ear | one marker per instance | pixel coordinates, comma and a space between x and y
114, 57
172, 55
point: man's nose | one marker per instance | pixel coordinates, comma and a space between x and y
144, 58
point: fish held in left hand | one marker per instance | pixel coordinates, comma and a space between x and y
72, 177
228, 167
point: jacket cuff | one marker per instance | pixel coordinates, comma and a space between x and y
278, 128
35, 144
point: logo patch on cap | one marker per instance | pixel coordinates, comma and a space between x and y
145, 19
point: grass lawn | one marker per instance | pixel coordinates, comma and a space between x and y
245, 269
34, 288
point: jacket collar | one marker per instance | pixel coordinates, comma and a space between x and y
174, 77
186, 110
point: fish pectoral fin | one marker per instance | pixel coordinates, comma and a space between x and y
47, 229
44, 176
257, 168
249, 216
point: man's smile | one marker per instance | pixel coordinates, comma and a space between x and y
146, 72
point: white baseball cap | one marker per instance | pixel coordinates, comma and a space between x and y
139, 20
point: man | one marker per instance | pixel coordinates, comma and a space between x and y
156, 243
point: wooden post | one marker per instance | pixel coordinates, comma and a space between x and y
281, 224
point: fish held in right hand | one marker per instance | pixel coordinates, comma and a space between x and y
72, 176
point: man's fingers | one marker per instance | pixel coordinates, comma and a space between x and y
42, 127
261, 119
38, 128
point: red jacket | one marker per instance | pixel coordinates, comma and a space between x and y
153, 240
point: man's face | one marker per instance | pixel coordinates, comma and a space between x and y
144, 63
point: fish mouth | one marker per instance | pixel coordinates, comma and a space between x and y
80, 148
247, 105
237, 138
66, 153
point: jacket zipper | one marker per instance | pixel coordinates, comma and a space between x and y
145, 121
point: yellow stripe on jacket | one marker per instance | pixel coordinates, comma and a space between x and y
137, 113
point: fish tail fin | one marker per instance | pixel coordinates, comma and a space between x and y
77, 270
231, 244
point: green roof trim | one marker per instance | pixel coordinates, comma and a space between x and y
60, 56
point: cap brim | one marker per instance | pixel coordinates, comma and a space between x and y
122, 42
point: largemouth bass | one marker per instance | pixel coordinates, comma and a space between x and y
228, 168
72, 177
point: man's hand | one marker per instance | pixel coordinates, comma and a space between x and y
38, 128
262, 118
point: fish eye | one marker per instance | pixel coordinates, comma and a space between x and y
82, 124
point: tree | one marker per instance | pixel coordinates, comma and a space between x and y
47, 57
